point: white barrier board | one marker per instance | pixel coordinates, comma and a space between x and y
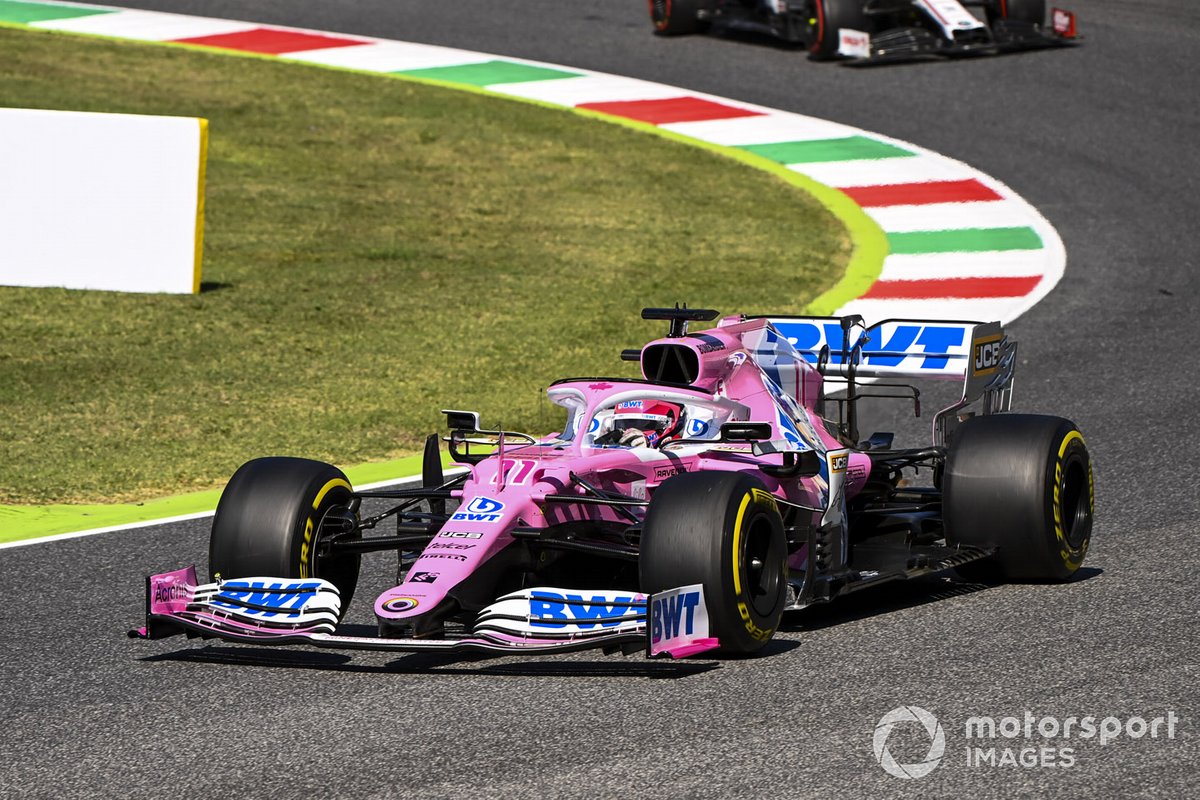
101, 201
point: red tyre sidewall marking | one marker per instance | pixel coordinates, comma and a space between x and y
816, 46
661, 24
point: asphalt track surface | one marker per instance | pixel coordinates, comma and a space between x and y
1101, 139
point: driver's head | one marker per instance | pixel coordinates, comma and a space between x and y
658, 420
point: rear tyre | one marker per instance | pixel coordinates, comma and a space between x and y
677, 17
826, 18
1021, 483
268, 520
722, 530
1031, 11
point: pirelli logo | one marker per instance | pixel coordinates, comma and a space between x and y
763, 497
985, 355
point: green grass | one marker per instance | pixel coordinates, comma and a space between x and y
375, 250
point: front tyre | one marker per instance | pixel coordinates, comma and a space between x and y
826, 18
268, 520
722, 530
677, 17
1020, 483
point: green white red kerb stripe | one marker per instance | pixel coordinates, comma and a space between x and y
961, 244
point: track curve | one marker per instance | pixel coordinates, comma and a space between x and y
1097, 138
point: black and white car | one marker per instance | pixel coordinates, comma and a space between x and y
867, 31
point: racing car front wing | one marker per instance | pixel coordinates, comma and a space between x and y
283, 611
1004, 36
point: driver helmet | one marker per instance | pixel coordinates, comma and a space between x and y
657, 420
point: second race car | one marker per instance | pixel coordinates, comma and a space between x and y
871, 31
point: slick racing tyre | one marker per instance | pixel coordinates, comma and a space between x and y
826, 18
723, 530
268, 520
1020, 483
678, 17
1031, 11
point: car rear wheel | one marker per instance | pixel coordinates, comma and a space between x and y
1032, 11
678, 17
722, 530
1020, 483
269, 518
826, 18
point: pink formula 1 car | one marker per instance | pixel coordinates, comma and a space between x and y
678, 513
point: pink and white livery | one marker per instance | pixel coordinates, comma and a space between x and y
677, 513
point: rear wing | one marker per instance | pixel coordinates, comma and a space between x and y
893, 348
979, 354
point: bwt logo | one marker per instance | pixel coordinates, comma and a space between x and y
572, 609
929, 342
284, 597
673, 616
481, 509
987, 356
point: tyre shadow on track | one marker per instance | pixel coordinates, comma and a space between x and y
753, 39
890, 597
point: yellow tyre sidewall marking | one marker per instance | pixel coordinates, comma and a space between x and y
737, 546
1071, 557
744, 610
307, 552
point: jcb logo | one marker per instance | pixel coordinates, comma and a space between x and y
987, 356
839, 462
